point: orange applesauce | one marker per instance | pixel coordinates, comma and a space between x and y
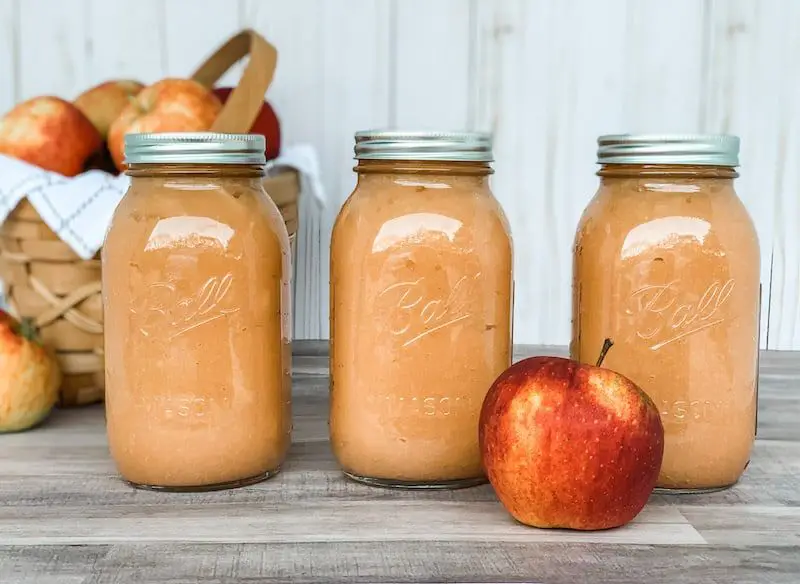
667, 265
421, 296
196, 273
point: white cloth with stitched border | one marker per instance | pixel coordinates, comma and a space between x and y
79, 209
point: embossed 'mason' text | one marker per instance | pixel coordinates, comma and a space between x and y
161, 306
424, 406
417, 313
665, 313
685, 411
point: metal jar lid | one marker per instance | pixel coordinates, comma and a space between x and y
194, 148
688, 149
443, 146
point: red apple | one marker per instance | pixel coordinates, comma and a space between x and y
570, 445
51, 133
170, 105
266, 123
103, 103
29, 375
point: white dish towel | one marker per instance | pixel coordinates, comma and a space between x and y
79, 210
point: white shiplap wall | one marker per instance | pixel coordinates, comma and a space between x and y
546, 76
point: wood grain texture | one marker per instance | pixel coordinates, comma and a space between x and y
438, 78
749, 47
9, 39
65, 517
186, 46
128, 44
398, 562
662, 87
776, 38
54, 48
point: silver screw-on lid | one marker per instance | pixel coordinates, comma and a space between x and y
443, 146
688, 149
194, 148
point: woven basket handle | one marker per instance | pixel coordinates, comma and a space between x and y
246, 99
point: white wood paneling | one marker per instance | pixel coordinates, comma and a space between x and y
749, 73
186, 46
663, 60
546, 76
54, 48
432, 64
785, 298
773, 184
8, 62
133, 51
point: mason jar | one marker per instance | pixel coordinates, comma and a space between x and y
421, 297
196, 276
667, 266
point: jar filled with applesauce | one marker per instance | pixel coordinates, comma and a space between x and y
196, 276
667, 266
421, 298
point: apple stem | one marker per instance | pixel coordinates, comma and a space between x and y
29, 331
606, 346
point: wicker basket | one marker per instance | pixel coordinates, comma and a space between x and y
45, 280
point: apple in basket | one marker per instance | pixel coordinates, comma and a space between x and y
170, 105
51, 133
103, 103
570, 445
29, 376
266, 123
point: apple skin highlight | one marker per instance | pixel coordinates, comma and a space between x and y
37, 130
570, 445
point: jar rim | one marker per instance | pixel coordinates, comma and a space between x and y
422, 145
669, 149
194, 148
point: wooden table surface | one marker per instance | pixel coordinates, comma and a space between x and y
65, 517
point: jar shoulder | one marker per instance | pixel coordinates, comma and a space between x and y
402, 213
625, 221
210, 216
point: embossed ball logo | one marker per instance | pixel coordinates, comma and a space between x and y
420, 307
166, 311
665, 313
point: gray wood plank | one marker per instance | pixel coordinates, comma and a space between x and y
53, 477
398, 562
748, 525
66, 517
321, 521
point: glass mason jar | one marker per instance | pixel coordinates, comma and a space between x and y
667, 266
421, 297
196, 276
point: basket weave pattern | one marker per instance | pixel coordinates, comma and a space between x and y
46, 281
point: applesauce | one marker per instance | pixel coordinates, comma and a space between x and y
421, 298
667, 265
196, 275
